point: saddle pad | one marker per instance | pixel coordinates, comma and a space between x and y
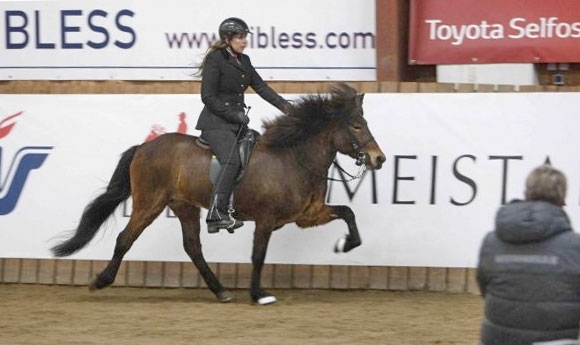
202, 143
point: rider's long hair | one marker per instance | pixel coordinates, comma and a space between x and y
219, 44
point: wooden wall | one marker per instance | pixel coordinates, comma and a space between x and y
237, 276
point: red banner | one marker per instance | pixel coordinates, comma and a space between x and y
494, 31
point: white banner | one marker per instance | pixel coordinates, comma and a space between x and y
141, 40
452, 159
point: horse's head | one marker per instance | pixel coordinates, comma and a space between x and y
337, 117
352, 136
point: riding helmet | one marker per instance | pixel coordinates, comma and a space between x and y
233, 26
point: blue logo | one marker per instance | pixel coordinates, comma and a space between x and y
25, 160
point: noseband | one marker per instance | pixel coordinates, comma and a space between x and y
360, 156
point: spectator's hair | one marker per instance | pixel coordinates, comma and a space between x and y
546, 183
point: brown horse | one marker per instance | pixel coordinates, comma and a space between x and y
284, 182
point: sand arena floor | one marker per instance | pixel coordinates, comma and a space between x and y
41, 314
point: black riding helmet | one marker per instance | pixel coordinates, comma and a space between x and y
231, 27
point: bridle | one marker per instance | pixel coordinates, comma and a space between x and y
360, 156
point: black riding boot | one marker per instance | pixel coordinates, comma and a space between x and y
219, 217
224, 145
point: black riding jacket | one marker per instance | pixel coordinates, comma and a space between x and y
224, 82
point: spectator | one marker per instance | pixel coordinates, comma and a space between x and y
529, 267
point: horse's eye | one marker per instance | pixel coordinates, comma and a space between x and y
356, 128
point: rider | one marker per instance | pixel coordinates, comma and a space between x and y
226, 73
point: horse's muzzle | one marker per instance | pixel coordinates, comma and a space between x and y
374, 162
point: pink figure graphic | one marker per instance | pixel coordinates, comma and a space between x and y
6, 125
156, 130
182, 124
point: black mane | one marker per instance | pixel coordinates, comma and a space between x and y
310, 116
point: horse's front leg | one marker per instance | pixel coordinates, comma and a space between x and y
327, 213
261, 238
352, 240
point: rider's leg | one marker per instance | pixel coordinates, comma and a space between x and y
224, 145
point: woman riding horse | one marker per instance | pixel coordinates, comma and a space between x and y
285, 182
226, 73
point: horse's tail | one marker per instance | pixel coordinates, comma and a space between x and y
98, 210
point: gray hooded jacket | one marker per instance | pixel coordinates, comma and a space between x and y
529, 275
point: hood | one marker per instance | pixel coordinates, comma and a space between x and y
530, 221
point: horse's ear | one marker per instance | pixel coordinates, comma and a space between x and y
359, 98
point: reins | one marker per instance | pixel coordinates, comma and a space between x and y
361, 170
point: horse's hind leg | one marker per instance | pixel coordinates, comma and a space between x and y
262, 235
189, 217
140, 219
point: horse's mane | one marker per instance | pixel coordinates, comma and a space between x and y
311, 115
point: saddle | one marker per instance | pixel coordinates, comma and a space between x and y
246, 143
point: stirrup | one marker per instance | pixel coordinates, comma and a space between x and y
231, 211
237, 224
215, 226
230, 225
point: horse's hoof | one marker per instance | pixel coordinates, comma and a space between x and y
224, 297
266, 300
97, 283
93, 285
340, 245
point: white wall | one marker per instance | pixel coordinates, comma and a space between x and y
414, 222
491, 74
